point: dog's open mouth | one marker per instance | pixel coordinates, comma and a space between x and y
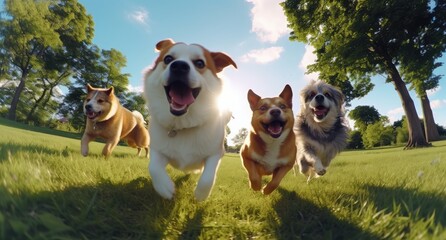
180, 97
92, 114
274, 128
320, 112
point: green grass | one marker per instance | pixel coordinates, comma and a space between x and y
49, 191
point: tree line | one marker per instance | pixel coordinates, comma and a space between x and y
46, 46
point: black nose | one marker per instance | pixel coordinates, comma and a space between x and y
179, 68
275, 112
88, 107
319, 99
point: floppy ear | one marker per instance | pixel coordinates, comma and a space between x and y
163, 44
110, 91
253, 99
89, 88
221, 60
287, 95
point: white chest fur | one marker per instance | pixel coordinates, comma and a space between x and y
271, 158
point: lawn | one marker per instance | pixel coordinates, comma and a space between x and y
49, 191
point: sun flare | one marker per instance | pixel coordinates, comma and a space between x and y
225, 100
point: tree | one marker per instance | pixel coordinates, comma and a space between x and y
240, 137
378, 134
401, 130
421, 81
35, 28
360, 39
355, 140
364, 116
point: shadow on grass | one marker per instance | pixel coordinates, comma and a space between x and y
194, 225
9, 149
301, 219
414, 203
107, 210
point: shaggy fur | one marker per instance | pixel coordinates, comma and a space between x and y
321, 130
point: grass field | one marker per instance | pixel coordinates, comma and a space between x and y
49, 191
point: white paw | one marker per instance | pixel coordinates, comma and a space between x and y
202, 193
84, 152
319, 168
203, 189
164, 187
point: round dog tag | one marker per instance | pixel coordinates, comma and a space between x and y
172, 133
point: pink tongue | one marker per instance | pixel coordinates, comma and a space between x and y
183, 98
275, 128
320, 111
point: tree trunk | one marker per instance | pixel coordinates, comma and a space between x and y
12, 113
430, 128
34, 107
416, 137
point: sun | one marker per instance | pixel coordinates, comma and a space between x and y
225, 100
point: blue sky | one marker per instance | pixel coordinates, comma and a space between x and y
253, 32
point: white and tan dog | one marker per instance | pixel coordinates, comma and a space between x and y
321, 130
186, 127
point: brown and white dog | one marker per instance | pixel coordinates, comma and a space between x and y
186, 127
270, 147
321, 129
109, 120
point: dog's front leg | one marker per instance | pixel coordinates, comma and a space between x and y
109, 146
160, 180
86, 139
278, 174
315, 161
207, 178
255, 179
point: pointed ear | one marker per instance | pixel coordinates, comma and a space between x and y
253, 99
110, 91
287, 95
221, 60
89, 88
163, 44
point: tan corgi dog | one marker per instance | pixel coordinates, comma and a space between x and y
109, 120
270, 147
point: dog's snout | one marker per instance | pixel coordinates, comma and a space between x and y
88, 107
179, 67
319, 99
275, 112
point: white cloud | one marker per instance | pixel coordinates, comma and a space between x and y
268, 20
263, 55
395, 114
136, 89
308, 58
438, 103
432, 92
140, 15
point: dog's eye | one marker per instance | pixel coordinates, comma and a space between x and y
88, 99
311, 96
168, 59
199, 63
263, 108
327, 95
282, 106
100, 101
